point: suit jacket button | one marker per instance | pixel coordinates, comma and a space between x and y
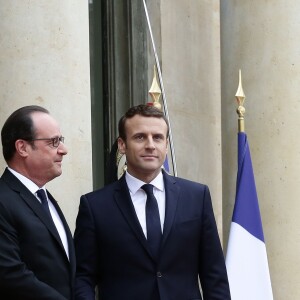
159, 274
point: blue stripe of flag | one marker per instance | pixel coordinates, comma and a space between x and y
246, 210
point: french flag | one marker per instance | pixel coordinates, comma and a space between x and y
246, 259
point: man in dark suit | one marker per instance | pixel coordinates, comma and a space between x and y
37, 257
148, 236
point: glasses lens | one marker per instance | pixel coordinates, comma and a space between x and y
57, 140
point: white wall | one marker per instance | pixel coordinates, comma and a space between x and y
190, 43
44, 60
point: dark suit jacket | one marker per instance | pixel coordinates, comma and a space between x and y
33, 262
112, 251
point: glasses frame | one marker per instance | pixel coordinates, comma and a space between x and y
55, 140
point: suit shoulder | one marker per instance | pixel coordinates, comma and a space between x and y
4, 191
102, 192
186, 183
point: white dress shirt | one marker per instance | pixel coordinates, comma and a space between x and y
139, 198
33, 188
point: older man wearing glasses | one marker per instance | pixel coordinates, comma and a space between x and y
37, 259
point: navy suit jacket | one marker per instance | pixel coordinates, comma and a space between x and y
33, 262
112, 250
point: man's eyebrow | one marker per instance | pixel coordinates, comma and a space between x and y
139, 133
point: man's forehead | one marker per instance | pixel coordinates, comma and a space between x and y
43, 122
146, 131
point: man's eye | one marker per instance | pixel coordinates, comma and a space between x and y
158, 137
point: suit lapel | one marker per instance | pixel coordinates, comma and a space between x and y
33, 203
124, 202
172, 196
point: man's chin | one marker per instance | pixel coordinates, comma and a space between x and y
57, 173
152, 169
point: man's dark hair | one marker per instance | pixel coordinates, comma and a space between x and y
19, 125
142, 110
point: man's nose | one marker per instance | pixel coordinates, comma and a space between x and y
150, 143
62, 149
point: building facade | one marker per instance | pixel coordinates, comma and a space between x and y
88, 61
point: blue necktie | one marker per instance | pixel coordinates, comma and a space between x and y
42, 195
152, 220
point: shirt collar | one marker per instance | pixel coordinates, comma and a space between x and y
31, 186
135, 184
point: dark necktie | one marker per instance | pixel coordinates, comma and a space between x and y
152, 220
42, 195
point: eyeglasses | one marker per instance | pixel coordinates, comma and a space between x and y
55, 141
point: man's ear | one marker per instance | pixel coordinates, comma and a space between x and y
121, 145
22, 147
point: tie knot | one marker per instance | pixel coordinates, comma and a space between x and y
148, 188
42, 195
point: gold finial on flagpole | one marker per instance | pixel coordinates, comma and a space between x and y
240, 97
155, 91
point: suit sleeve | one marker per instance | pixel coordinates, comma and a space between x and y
87, 250
17, 281
212, 269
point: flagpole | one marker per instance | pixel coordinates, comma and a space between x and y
240, 97
162, 91
246, 257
